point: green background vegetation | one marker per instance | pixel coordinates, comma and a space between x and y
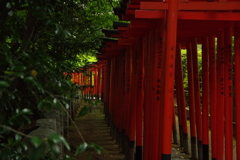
39, 41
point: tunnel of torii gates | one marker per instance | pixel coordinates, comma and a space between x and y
139, 76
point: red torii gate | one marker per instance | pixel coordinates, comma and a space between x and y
146, 59
91, 80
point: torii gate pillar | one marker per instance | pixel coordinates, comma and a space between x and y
169, 70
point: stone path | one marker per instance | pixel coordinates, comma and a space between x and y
94, 130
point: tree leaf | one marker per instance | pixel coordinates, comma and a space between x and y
4, 84
28, 79
8, 5
41, 104
10, 13
18, 137
27, 111
84, 111
20, 68
55, 148
36, 141
19, 74
56, 138
81, 148
97, 147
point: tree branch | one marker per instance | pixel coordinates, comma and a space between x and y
11, 129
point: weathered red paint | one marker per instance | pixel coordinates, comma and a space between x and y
191, 99
213, 94
237, 84
205, 97
228, 95
220, 96
169, 78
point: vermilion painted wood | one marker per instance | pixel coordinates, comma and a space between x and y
78, 78
126, 40
126, 17
133, 31
146, 24
205, 97
203, 25
228, 95
237, 84
133, 107
107, 90
128, 88
163, 41
140, 95
90, 83
191, 98
146, 125
169, 79
192, 6
99, 71
160, 40
220, 96
187, 15
110, 89
122, 28
88, 88
119, 95
117, 90
130, 11
213, 95
84, 83
140, 99
151, 104
181, 97
198, 111
124, 88
223, 16
103, 82
136, 35
95, 83
174, 127
116, 98
156, 74
133, 6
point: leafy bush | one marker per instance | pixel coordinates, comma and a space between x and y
39, 41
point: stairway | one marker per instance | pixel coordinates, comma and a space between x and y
94, 130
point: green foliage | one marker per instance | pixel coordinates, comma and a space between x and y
84, 111
185, 70
81, 148
84, 146
39, 41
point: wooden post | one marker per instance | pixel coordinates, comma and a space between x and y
237, 84
146, 125
140, 99
169, 79
198, 111
220, 96
133, 107
228, 95
181, 99
205, 97
213, 95
191, 98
